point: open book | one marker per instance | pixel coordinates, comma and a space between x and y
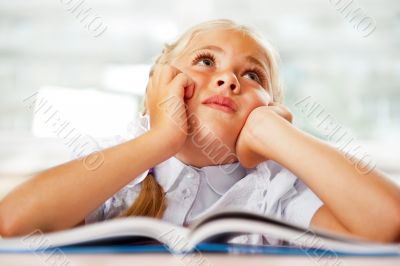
214, 229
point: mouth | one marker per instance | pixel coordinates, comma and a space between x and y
221, 103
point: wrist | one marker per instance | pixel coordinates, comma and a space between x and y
267, 133
167, 141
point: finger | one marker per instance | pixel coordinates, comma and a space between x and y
169, 73
190, 85
183, 85
189, 91
153, 75
151, 72
159, 74
148, 86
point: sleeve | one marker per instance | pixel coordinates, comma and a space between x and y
286, 196
301, 207
113, 206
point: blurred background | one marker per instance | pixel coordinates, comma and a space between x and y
81, 66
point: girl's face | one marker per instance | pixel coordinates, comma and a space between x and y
231, 64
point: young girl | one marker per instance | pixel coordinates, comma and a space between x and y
214, 135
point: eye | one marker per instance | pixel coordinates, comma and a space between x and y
256, 75
205, 59
253, 76
207, 62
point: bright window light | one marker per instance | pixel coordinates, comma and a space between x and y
89, 112
127, 78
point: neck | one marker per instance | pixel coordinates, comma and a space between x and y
205, 155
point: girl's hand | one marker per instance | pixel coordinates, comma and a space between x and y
246, 143
166, 92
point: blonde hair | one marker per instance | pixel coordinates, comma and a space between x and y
151, 200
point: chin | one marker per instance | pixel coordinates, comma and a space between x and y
216, 133
215, 124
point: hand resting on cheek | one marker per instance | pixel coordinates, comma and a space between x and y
256, 121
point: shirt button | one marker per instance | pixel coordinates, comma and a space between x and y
190, 175
186, 193
265, 192
116, 202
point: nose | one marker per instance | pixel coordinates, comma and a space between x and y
228, 81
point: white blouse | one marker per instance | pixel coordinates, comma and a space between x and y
191, 192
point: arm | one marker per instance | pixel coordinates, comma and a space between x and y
62, 196
363, 205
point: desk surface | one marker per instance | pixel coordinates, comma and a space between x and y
192, 260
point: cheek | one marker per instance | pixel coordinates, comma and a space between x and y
263, 96
254, 100
201, 79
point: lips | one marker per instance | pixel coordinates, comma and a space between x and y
221, 102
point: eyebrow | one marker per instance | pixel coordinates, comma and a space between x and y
208, 47
255, 61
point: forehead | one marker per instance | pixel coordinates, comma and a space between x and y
231, 41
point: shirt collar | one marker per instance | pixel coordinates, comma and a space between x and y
168, 172
220, 178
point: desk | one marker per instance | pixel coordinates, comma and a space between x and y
198, 260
